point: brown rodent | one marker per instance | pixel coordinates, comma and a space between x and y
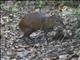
38, 21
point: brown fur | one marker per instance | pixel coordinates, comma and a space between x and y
36, 21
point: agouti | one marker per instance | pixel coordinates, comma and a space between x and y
38, 21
